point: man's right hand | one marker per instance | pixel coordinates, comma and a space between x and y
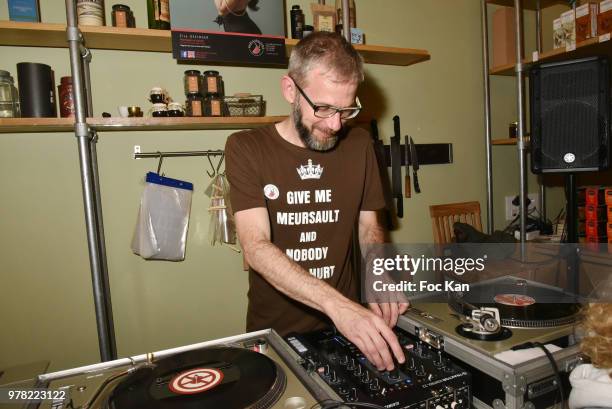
367, 331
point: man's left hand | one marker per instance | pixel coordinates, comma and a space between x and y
389, 312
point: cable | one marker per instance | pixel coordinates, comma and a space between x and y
555, 369
338, 404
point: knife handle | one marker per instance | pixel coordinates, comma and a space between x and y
417, 188
407, 191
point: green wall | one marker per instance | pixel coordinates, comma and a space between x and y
46, 308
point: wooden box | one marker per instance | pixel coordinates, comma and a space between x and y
504, 40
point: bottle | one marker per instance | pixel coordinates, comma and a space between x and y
66, 98
352, 18
297, 22
9, 98
158, 12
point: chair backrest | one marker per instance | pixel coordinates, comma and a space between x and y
444, 216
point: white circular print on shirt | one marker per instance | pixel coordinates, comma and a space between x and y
271, 192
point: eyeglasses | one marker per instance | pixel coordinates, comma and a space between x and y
327, 111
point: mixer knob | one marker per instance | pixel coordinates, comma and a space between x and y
351, 365
440, 361
352, 395
411, 365
421, 371
394, 373
344, 360
366, 377
374, 385
326, 370
357, 371
333, 378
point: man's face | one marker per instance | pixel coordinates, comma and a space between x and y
322, 87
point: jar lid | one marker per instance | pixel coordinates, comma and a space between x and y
160, 107
156, 90
192, 72
173, 106
121, 7
296, 7
194, 95
211, 73
66, 80
5, 74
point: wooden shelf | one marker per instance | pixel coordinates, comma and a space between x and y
528, 4
15, 33
586, 48
25, 125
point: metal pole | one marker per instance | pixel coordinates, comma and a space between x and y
539, 47
86, 56
82, 133
142, 155
487, 100
346, 22
520, 102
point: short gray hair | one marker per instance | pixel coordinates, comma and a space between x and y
330, 50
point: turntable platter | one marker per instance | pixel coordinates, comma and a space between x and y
521, 303
221, 377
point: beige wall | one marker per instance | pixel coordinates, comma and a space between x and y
46, 309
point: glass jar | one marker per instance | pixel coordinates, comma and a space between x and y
213, 105
159, 110
90, 12
9, 98
213, 83
122, 16
176, 109
194, 105
158, 95
192, 82
158, 12
66, 98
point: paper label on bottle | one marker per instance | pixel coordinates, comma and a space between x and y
604, 37
535, 56
121, 19
192, 84
212, 85
164, 14
215, 108
196, 108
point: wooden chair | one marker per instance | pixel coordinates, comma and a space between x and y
444, 216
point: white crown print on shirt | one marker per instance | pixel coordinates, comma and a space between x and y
310, 171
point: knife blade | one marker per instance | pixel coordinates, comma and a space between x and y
407, 190
396, 167
414, 159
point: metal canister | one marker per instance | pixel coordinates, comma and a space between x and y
90, 12
66, 98
9, 98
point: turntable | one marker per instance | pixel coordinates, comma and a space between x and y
525, 312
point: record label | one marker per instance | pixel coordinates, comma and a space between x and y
514, 300
195, 381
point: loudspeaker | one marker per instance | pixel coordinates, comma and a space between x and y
570, 116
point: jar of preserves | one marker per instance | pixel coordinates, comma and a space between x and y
122, 16
194, 105
159, 110
176, 109
214, 105
158, 95
66, 98
192, 82
213, 83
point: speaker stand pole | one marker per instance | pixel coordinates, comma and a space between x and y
573, 280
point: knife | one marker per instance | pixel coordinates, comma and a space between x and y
396, 167
415, 166
407, 191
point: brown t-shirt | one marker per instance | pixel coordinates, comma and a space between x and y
313, 201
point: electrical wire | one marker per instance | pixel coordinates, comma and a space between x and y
555, 370
332, 404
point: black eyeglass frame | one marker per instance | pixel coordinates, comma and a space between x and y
317, 107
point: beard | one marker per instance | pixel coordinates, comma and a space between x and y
305, 134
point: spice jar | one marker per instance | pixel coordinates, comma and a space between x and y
176, 109
66, 98
90, 12
192, 82
159, 110
157, 95
213, 83
122, 16
194, 105
213, 105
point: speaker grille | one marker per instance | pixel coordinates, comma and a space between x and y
570, 104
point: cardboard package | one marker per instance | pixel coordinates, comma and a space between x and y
504, 40
568, 22
558, 34
586, 21
604, 18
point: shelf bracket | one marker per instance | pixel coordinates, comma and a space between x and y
136, 151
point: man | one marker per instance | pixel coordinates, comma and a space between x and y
298, 188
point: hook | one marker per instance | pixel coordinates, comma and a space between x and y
212, 167
219, 164
159, 164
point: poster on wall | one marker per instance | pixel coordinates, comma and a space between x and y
237, 31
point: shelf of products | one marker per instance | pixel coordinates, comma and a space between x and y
528, 4
26, 125
590, 47
140, 39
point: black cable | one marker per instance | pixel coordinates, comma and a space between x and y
555, 369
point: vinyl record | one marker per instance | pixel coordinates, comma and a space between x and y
211, 378
521, 303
